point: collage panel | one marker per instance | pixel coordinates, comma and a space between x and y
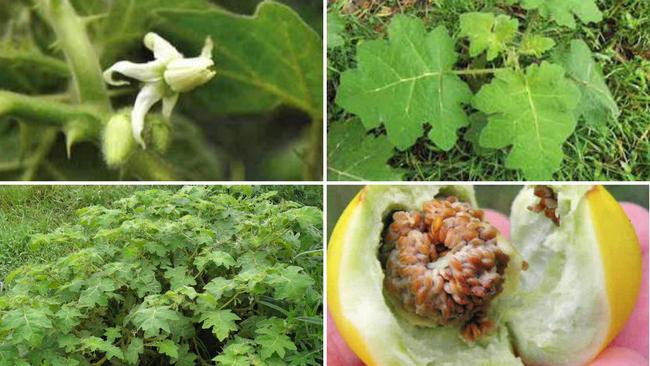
161, 90
454, 274
494, 90
161, 275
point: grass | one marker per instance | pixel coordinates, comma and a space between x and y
621, 44
28, 210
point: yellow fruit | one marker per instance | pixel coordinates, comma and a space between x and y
580, 287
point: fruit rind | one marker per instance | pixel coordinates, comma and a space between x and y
566, 313
371, 327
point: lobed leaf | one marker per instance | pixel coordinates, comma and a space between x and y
154, 319
286, 67
405, 82
222, 322
597, 105
488, 32
532, 110
354, 155
563, 11
290, 283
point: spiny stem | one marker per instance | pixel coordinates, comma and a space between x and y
478, 71
71, 33
43, 111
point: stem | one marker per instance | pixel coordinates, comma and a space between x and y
478, 71
71, 33
40, 110
314, 168
100, 362
147, 166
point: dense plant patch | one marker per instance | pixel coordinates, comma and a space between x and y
228, 275
240, 85
471, 89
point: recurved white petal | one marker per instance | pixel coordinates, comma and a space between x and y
150, 94
148, 72
168, 104
207, 48
162, 50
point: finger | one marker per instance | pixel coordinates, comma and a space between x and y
635, 334
619, 356
338, 352
500, 221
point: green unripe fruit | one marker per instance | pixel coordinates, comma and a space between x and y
117, 141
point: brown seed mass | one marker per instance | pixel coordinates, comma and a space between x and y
547, 203
444, 264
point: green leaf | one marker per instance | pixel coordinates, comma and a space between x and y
153, 319
478, 121
132, 353
405, 82
533, 112
67, 318
290, 283
335, 26
178, 277
274, 343
270, 58
26, 324
487, 32
168, 347
354, 155
218, 286
597, 105
535, 45
235, 353
112, 334
222, 322
97, 292
562, 11
219, 258
128, 21
97, 344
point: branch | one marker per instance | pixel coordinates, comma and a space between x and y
71, 33
43, 111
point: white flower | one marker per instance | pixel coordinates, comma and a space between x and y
164, 78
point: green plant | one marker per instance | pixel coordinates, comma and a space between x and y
222, 274
507, 80
54, 53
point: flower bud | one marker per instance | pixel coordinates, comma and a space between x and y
118, 142
157, 133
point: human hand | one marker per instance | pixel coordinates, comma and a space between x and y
629, 348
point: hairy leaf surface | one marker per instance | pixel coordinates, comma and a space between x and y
534, 112
597, 105
405, 82
563, 11
222, 322
286, 67
488, 32
354, 155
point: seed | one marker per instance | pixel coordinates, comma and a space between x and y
459, 291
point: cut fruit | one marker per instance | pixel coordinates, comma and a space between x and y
580, 287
